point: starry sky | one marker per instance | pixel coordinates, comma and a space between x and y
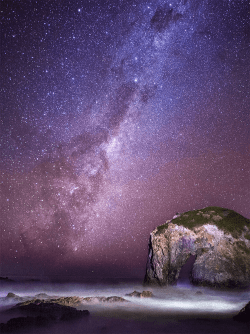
115, 115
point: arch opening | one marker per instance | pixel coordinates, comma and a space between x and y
186, 270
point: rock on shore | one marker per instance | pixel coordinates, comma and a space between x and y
244, 314
143, 294
39, 313
219, 241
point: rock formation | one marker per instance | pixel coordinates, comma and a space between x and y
5, 279
219, 241
20, 323
244, 314
12, 296
143, 294
51, 309
112, 299
72, 301
40, 313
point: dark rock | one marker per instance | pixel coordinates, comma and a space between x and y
40, 313
15, 297
143, 294
5, 279
134, 294
244, 314
11, 295
15, 324
48, 313
19, 323
41, 321
50, 309
198, 293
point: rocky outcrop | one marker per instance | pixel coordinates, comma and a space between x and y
20, 323
73, 301
111, 299
219, 241
143, 294
53, 310
15, 298
44, 310
244, 314
5, 279
40, 313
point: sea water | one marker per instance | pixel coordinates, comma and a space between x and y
178, 309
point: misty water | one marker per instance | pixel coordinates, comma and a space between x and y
179, 309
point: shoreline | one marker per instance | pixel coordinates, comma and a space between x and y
171, 310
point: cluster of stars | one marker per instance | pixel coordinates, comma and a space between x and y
115, 115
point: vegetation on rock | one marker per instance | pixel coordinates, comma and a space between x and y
227, 220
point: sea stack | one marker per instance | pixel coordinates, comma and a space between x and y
218, 241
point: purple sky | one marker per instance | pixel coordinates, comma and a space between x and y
114, 117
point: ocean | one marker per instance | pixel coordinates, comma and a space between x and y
173, 310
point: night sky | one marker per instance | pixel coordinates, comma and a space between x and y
115, 115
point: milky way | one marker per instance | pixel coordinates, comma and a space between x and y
115, 115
